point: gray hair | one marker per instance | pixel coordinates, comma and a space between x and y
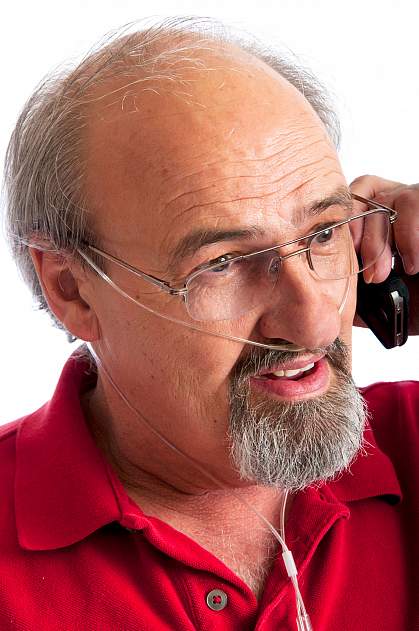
44, 162
295, 444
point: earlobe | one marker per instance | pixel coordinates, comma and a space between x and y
61, 280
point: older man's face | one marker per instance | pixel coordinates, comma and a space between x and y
242, 151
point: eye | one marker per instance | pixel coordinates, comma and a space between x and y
325, 236
223, 261
274, 265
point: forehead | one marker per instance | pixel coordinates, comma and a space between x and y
239, 145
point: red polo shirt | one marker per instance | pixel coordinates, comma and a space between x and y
77, 554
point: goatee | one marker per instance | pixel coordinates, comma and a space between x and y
293, 445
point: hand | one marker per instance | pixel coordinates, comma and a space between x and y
405, 237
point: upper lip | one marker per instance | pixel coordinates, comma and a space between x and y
293, 364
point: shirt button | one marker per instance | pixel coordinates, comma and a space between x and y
216, 599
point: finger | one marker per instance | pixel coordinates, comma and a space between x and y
379, 271
370, 237
375, 249
406, 228
404, 199
370, 186
357, 225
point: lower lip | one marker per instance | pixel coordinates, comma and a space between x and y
317, 382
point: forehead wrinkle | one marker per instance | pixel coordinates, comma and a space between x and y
240, 162
286, 143
285, 153
223, 163
258, 195
296, 133
198, 238
211, 187
268, 163
295, 151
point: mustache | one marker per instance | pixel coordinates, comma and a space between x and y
258, 359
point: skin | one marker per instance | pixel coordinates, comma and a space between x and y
235, 156
405, 237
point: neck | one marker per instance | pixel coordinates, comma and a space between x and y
166, 485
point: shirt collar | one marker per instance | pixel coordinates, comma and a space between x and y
371, 474
65, 489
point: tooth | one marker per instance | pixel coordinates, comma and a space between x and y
308, 367
291, 373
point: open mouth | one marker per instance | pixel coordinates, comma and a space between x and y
294, 374
301, 381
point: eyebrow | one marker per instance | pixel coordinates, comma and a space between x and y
194, 241
199, 238
340, 197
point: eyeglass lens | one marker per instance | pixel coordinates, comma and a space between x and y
234, 288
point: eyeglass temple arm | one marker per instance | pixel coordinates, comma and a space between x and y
152, 279
172, 291
393, 213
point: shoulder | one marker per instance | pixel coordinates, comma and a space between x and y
390, 402
9, 441
393, 413
9, 433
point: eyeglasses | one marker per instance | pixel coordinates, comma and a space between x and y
230, 286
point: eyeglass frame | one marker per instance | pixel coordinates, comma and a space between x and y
183, 291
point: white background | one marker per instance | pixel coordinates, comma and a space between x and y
366, 52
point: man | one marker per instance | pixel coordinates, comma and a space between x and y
149, 192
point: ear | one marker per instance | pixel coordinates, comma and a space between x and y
62, 283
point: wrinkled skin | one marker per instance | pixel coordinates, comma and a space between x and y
243, 149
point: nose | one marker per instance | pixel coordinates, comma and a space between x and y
303, 309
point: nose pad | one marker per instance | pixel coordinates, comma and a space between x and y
304, 309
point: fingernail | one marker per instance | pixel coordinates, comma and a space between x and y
408, 264
368, 275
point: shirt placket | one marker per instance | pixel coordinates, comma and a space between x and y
313, 514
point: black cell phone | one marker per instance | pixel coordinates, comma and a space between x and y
384, 307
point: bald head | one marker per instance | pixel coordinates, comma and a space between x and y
176, 77
175, 154
225, 131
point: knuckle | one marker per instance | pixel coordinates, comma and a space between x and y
408, 197
382, 196
361, 179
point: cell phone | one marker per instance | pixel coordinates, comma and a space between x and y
384, 307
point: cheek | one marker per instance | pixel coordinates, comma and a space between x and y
153, 353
